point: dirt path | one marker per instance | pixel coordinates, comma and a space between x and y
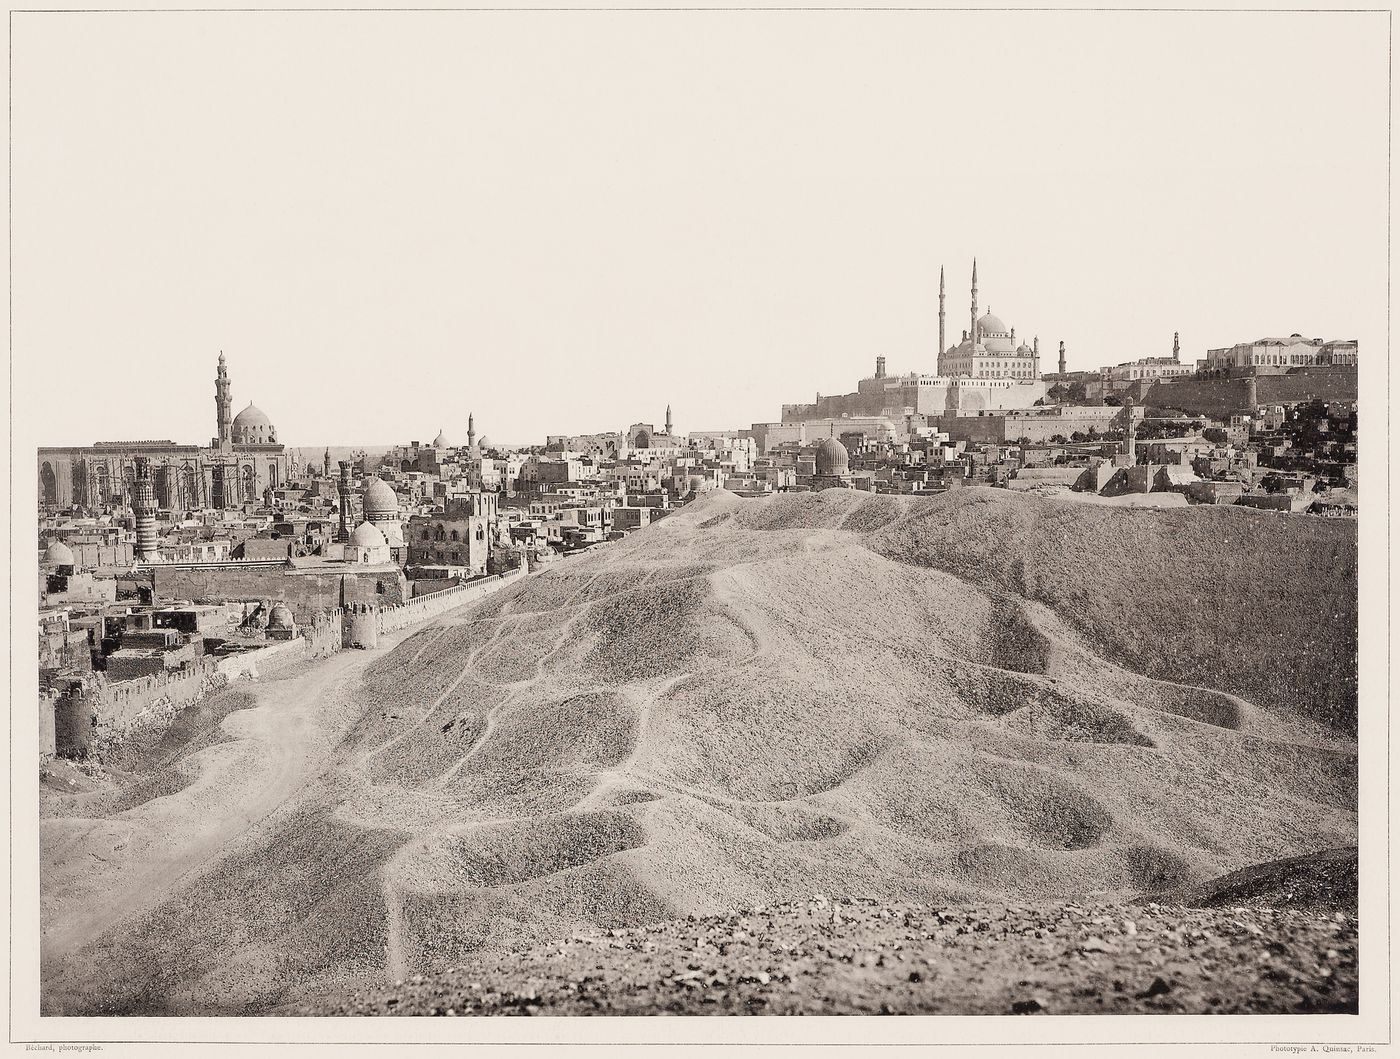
96, 873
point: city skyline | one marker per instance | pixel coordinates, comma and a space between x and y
341, 238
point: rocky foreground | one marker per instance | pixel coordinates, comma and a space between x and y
853, 956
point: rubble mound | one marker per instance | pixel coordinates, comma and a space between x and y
984, 696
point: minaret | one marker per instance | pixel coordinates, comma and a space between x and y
343, 536
223, 402
972, 331
668, 421
471, 431
1176, 347
326, 466
942, 314
1129, 442
143, 504
1062, 357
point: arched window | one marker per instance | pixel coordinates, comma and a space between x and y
454, 535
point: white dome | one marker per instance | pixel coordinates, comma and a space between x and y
367, 535
59, 554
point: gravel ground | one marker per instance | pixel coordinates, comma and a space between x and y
852, 956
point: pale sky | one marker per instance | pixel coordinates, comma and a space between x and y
564, 221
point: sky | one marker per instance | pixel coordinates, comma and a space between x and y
564, 221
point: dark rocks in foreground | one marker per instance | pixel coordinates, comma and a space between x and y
853, 956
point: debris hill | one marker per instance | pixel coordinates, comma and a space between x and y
976, 697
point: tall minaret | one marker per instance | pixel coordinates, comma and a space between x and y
972, 331
326, 467
471, 431
668, 421
143, 504
1062, 356
223, 402
942, 297
1176, 346
343, 535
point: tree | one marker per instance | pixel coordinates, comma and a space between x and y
1215, 435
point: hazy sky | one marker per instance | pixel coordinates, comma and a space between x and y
563, 221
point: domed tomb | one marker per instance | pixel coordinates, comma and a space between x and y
380, 501
832, 459
252, 427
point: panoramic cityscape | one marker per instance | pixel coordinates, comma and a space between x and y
553, 513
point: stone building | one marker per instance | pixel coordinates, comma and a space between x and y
237, 467
458, 538
1280, 354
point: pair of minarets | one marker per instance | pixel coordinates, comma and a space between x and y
942, 309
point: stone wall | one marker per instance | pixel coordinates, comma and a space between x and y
307, 594
1221, 398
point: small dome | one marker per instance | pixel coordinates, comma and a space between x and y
59, 554
440, 442
280, 617
252, 427
832, 458
996, 343
368, 536
484, 442
991, 325
381, 502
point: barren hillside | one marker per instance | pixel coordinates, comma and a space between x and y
979, 697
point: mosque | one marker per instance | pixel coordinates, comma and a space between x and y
988, 370
237, 467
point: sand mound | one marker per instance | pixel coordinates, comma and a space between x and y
982, 695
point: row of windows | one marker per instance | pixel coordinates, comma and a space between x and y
439, 535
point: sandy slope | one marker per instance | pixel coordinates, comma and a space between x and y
975, 697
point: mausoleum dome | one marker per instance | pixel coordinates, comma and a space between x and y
59, 554
252, 427
280, 617
367, 535
381, 503
832, 458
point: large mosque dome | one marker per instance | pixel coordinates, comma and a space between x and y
381, 503
992, 325
252, 427
832, 459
